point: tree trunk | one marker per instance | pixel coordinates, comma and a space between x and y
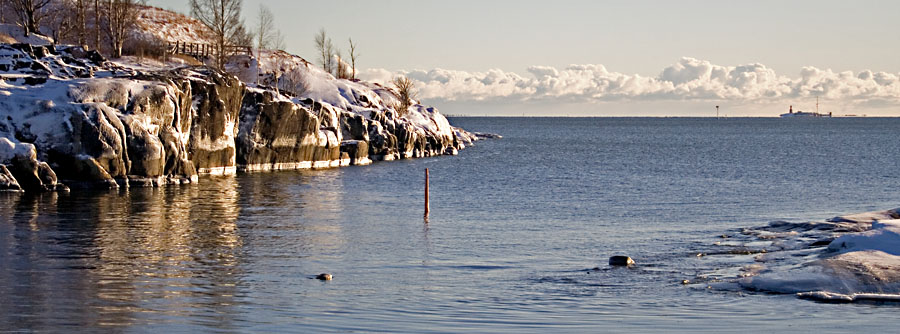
97, 25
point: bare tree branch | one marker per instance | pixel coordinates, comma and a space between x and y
406, 93
29, 13
119, 19
354, 55
326, 51
223, 18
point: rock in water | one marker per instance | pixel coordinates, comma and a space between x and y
620, 260
8, 181
324, 277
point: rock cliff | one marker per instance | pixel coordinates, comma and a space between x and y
70, 117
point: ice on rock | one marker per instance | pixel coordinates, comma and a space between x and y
862, 262
883, 236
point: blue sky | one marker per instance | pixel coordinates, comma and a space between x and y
632, 40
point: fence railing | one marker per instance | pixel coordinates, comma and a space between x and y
201, 50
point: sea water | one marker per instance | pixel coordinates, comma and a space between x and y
520, 232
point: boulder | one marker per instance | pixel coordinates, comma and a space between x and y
216, 106
8, 181
278, 134
621, 260
357, 151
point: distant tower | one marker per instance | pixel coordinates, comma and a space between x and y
717, 112
791, 110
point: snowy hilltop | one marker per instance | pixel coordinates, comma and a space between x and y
70, 116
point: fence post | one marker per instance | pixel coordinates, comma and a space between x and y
427, 206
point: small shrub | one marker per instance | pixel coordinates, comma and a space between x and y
406, 93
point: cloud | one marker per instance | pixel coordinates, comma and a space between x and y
688, 79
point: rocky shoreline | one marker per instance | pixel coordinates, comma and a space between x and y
70, 118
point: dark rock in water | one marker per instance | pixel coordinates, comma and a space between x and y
32, 81
484, 135
821, 243
357, 150
620, 260
324, 277
8, 181
46, 175
31, 174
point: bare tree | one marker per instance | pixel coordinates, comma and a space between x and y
58, 20
326, 50
223, 18
97, 11
290, 79
341, 69
119, 21
80, 7
406, 93
267, 36
354, 55
295, 82
6, 12
29, 13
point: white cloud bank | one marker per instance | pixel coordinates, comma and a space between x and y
688, 80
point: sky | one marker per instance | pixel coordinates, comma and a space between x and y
614, 58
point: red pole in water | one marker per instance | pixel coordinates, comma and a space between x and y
427, 207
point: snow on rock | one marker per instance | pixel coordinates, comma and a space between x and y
860, 259
883, 236
848, 298
350, 110
137, 121
112, 126
130, 122
867, 217
10, 149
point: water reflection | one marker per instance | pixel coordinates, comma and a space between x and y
120, 258
291, 217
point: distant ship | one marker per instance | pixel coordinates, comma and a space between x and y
799, 113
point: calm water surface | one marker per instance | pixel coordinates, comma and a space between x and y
517, 226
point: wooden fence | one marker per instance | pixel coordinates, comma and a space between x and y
203, 51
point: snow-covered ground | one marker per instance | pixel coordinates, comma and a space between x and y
167, 26
17, 33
